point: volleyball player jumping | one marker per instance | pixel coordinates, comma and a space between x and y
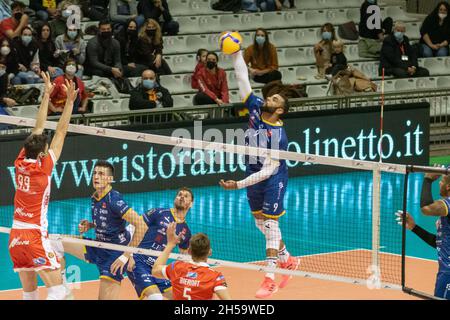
266, 178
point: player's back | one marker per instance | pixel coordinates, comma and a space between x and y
194, 281
33, 181
443, 240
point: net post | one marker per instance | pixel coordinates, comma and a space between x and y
376, 219
405, 198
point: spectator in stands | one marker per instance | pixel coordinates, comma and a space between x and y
149, 48
213, 85
128, 39
158, 10
71, 45
47, 49
435, 32
149, 93
59, 23
8, 59
95, 10
121, 11
338, 61
397, 56
371, 39
103, 53
12, 27
261, 5
201, 63
44, 9
262, 58
26, 48
323, 49
58, 96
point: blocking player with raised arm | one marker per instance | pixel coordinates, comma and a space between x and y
30, 249
266, 179
139, 268
191, 280
110, 214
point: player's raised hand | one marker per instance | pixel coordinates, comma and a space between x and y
119, 264
48, 85
172, 238
228, 185
83, 226
410, 223
71, 92
434, 176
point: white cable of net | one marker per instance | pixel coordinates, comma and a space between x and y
215, 146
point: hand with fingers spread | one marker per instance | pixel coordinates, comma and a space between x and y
70, 90
48, 85
172, 238
410, 223
434, 176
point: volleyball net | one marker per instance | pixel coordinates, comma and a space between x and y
339, 213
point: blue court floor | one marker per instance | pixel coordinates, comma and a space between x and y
325, 214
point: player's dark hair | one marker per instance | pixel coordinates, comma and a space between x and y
200, 246
103, 22
34, 144
105, 164
18, 4
188, 190
214, 54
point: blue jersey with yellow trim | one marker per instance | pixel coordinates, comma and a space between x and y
107, 215
443, 239
155, 238
263, 134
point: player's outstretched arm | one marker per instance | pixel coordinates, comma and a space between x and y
172, 242
63, 123
423, 234
240, 68
428, 206
43, 108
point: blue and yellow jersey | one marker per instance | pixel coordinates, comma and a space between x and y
443, 239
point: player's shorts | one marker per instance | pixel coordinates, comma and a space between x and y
142, 279
267, 197
442, 288
103, 259
31, 250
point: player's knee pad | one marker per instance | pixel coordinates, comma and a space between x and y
260, 224
273, 234
155, 296
56, 293
34, 295
58, 247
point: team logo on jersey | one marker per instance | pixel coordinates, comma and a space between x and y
159, 238
22, 213
39, 261
104, 205
192, 275
120, 203
17, 242
51, 255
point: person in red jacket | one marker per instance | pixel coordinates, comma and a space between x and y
212, 82
201, 63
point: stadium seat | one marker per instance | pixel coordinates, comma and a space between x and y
405, 84
254, 21
107, 106
189, 24
177, 83
443, 82
184, 100
23, 111
125, 104
183, 63
317, 90
426, 83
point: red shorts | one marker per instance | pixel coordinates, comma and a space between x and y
31, 250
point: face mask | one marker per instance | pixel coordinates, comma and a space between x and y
5, 51
150, 33
132, 33
398, 35
18, 16
211, 64
326, 35
442, 15
72, 34
66, 13
26, 40
260, 40
71, 69
106, 35
148, 84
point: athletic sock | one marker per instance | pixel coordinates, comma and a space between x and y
283, 255
271, 262
33, 295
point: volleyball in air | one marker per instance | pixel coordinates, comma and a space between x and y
230, 42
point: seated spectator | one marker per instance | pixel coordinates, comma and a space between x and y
4, 100
158, 10
212, 82
59, 23
262, 58
201, 63
47, 49
150, 94
44, 9
435, 32
8, 59
58, 96
338, 61
121, 11
370, 41
397, 56
261, 5
149, 48
323, 49
27, 57
95, 10
71, 45
128, 39
12, 27
103, 53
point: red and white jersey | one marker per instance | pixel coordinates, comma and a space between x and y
193, 281
33, 181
